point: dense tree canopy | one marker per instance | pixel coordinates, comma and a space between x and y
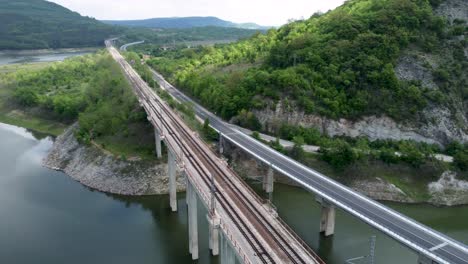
90, 88
338, 64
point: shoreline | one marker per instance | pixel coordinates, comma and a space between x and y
107, 179
49, 51
104, 172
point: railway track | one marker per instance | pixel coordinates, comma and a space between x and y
246, 202
241, 225
225, 180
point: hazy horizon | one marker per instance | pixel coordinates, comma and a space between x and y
262, 12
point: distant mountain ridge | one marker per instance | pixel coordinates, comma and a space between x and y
39, 24
183, 22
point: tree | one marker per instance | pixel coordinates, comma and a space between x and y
339, 155
208, 132
297, 151
26, 97
460, 159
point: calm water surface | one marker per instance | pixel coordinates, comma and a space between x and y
45, 217
11, 57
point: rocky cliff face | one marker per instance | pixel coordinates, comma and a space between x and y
447, 191
435, 124
453, 9
441, 131
97, 170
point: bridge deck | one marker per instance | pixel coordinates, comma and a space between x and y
414, 235
255, 231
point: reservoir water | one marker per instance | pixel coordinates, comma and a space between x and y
46, 217
11, 57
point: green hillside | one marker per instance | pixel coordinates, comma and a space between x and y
38, 24
339, 65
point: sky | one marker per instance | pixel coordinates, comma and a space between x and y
263, 12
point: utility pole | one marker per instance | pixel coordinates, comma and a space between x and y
372, 249
370, 257
213, 197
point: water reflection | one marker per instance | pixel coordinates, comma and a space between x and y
47, 216
12, 57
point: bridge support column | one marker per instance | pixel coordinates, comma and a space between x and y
227, 253
171, 162
221, 147
268, 181
213, 222
157, 139
327, 217
192, 219
425, 260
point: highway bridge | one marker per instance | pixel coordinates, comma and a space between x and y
125, 47
432, 246
237, 215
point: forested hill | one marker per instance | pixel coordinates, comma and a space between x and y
183, 22
406, 59
38, 24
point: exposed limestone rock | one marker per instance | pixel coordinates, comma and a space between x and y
453, 9
104, 172
410, 69
436, 124
373, 127
380, 189
448, 190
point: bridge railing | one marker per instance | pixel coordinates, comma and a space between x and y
302, 242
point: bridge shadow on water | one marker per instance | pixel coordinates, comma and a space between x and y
301, 212
170, 229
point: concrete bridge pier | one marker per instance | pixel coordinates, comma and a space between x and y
227, 255
221, 147
268, 181
327, 217
213, 225
425, 260
157, 139
171, 162
192, 220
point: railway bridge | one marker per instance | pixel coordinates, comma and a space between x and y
431, 246
241, 224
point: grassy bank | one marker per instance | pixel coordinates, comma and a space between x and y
90, 90
14, 114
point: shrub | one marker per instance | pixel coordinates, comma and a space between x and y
340, 156
460, 160
256, 135
208, 132
297, 151
26, 96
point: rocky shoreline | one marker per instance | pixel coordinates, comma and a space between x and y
104, 172
107, 173
447, 191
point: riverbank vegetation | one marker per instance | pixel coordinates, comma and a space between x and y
337, 65
89, 89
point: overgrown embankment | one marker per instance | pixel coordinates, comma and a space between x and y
89, 89
430, 183
373, 81
111, 147
95, 168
